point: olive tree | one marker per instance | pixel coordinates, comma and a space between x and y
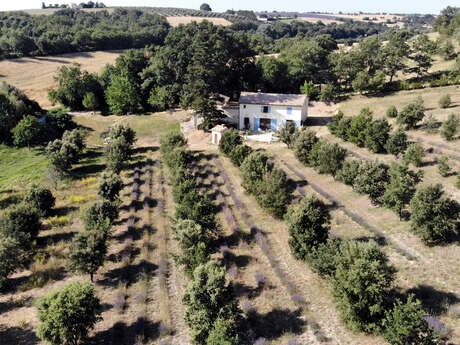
110, 186
449, 128
40, 198
372, 179
397, 142
273, 193
412, 114
254, 169
67, 315
239, 154
229, 140
414, 154
303, 144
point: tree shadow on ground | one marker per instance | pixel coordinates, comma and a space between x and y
275, 323
85, 170
133, 232
122, 334
243, 290
64, 210
381, 241
14, 304
48, 240
9, 201
144, 149
318, 120
131, 273
17, 336
434, 301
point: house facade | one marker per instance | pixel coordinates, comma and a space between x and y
269, 111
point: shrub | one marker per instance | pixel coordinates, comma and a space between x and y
372, 179
401, 187
356, 133
349, 171
430, 124
10, 252
90, 101
433, 215
343, 126
98, 215
27, 132
177, 159
445, 101
183, 187
449, 128
199, 208
76, 138
125, 132
377, 134
443, 166
239, 154
229, 140
311, 90
87, 252
170, 141
412, 113
303, 144
392, 112
224, 332
67, 315
110, 186
405, 324
308, 226
334, 123
273, 193
288, 133
330, 158
40, 198
457, 183
361, 284
195, 243
60, 155
21, 222
254, 169
414, 155
327, 93
208, 298
116, 154
323, 257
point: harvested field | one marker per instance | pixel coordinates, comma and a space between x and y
34, 75
176, 21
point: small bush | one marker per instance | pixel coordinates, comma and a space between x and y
254, 169
110, 186
229, 140
100, 214
356, 133
58, 221
392, 112
405, 324
445, 101
40, 198
361, 284
443, 166
377, 134
334, 123
288, 133
449, 128
10, 252
27, 132
303, 144
343, 126
330, 158
273, 194
66, 316
171, 141
414, 155
372, 179
412, 114
239, 154
397, 142
430, 124
349, 172
21, 222
199, 208
327, 93
433, 215
308, 226
323, 258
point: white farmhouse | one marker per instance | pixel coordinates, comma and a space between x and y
271, 111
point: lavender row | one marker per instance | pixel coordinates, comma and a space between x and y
263, 243
382, 238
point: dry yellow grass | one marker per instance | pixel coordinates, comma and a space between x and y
176, 21
35, 75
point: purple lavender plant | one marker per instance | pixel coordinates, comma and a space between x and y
246, 306
436, 325
260, 279
298, 299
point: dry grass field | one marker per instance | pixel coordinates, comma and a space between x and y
34, 75
176, 21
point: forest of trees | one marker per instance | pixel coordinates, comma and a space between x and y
70, 30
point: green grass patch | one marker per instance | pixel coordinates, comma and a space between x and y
20, 167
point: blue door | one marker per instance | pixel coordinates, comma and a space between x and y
273, 125
256, 123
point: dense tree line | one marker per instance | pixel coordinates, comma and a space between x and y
68, 30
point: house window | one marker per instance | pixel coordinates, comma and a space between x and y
289, 111
265, 109
246, 123
244, 106
265, 124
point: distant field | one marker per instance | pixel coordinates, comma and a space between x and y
35, 75
176, 21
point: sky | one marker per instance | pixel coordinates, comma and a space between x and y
390, 6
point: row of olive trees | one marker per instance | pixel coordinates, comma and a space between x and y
261, 177
67, 315
212, 313
393, 187
360, 275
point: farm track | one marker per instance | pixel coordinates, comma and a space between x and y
171, 278
299, 275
